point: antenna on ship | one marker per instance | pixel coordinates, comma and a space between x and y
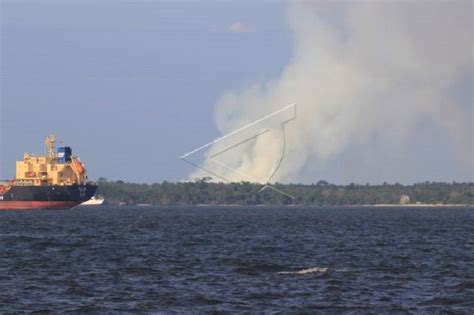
50, 142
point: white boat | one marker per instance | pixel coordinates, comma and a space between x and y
94, 201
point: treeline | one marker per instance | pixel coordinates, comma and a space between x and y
322, 193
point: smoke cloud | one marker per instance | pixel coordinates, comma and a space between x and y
364, 73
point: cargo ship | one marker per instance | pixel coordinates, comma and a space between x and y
56, 180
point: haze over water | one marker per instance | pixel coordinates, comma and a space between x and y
192, 259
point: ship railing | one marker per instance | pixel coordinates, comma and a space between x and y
24, 183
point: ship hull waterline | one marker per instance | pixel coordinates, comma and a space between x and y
46, 197
36, 205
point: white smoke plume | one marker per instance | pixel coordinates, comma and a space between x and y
360, 71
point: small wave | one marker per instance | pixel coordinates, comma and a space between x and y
442, 301
464, 285
202, 299
304, 271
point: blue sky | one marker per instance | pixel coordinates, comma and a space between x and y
133, 85
130, 86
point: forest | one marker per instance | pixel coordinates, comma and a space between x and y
204, 192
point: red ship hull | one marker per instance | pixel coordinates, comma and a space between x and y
34, 205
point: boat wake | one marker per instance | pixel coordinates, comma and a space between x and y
304, 271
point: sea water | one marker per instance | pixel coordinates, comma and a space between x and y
354, 260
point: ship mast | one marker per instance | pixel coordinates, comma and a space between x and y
50, 142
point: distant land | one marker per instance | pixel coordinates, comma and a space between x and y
203, 192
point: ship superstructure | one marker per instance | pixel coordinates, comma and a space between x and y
56, 179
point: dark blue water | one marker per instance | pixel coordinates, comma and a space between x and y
314, 260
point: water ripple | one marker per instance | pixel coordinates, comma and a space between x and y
230, 259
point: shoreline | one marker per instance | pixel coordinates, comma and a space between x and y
423, 205
325, 206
